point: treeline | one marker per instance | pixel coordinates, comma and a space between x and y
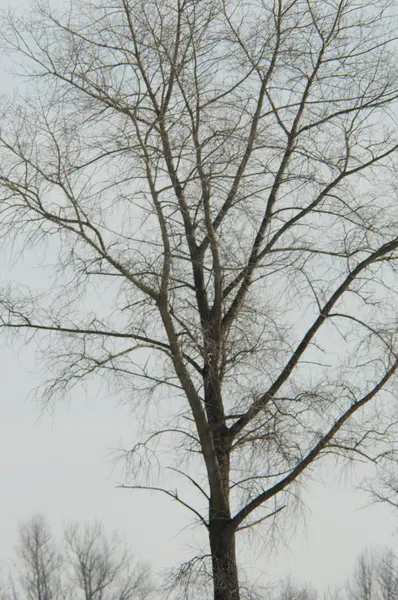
375, 577
91, 565
88, 565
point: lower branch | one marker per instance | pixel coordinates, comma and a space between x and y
313, 454
173, 495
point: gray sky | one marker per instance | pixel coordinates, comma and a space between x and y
60, 463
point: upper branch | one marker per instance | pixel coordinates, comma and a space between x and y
250, 144
259, 404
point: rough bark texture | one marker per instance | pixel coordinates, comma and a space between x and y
225, 571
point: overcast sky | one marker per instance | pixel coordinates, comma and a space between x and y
61, 463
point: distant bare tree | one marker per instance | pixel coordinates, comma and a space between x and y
88, 566
41, 562
292, 591
387, 576
102, 569
375, 578
8, 590
222, 174
364, 587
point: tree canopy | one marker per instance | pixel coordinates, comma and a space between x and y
214, 185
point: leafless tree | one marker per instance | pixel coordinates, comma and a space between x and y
364, 587
41, 563
292, 591
102, 567
375, 578
88, 565
222, 174
8, 589
387, 576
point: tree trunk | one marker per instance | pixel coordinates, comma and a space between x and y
225, 571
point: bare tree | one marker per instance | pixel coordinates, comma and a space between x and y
292, 591
8, 589
228, 170
375, 578
364, 587
41, 563
89, 565
387, 576
102, 567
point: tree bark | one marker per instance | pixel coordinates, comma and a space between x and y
221, 533
225, 571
